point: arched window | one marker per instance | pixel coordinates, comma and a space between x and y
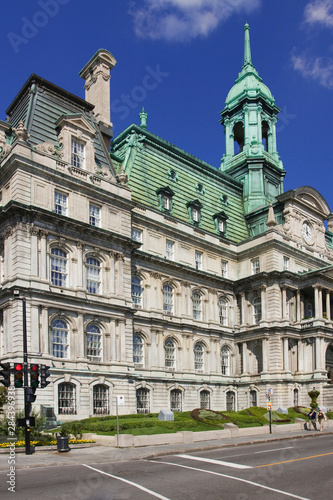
170, 354
59, 339
264, 132
253, 398
196, 302
136, 292
205, 400
199, 352
223, 311
176, 400
93, 270
58, 267
101, 399
239, 137
295, 394
142, 400
66, 399
256, 310
225, 360
167, 299
138, 349
230, 400
94, 343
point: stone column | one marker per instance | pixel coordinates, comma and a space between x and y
298, 306
43, 256
328, 304
80, 267
119, 273
265, 355
300, 354
243, 309
244, 358
107, 348
111, 286
79, 340
45, 344
34, 250
8, 252
284, 302
263, 302
286, 354
316, 305
185, 310
318, 354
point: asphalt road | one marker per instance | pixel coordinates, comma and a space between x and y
299, 468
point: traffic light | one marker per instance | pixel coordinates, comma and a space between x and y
34, 376
30, 397
44, 375
18, 374
5, 372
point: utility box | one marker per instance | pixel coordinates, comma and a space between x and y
166, 415
282, 410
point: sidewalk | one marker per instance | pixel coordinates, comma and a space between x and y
105, 454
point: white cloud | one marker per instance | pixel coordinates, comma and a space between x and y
180, 20
319, 12
319, 69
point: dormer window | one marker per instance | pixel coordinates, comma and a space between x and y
220, 220
194, 209
78, 154
172, 174
200, 188
165, 195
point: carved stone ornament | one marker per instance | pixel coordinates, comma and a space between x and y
49, 148
122, 177
4, 148
21, 132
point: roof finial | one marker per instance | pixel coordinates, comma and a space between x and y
143, 118
247, 46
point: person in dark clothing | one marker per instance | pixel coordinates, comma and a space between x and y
312, 416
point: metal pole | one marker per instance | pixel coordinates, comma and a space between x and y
270, 420
27, 406
117, 422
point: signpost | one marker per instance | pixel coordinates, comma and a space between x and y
269, 408
120, 401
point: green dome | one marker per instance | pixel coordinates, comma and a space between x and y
249, 84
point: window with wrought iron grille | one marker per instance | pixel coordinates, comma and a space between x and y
60, 339
60, 203
93, 270
142, 400
255, 266
170, 354
66, 399
225, 360
169, 249
230, 397
94, 215
137, 235
138, 350
205, 400
198, 260
176, 400
224, 268
256, 310
168, 299
58, 263
78, 154
199, 352
253, 398
94, 343
196, 302
136, 292
223, 311
101, 399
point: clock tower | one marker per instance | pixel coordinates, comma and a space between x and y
249, 119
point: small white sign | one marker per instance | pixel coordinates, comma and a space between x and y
120, 400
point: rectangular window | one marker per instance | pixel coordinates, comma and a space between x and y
286, 262
198, 260
94, 347
255, 266
78, 153
195, 215
169, 250
60, 203
166, 202
137, 235
94, 215
221, 225
224, 268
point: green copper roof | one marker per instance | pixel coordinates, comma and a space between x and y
248, 84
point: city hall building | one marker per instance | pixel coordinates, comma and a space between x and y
150, 274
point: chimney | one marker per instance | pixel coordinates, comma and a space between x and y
96, 74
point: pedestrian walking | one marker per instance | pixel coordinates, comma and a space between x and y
321, 419
312, 416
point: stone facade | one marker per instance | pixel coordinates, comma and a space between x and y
150, 274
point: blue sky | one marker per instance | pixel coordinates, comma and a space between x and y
179, 58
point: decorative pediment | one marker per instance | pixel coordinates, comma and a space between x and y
77, 122
312, 198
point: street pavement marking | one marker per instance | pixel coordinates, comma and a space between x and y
235, 478
253, 452
216, 462
153, 493
295, 460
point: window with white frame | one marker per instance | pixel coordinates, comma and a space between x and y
256, 310
66, 399
60, 203
198, 260
195, 214
255, 266
58, 263
101, 399
169, 249
170, 354
199, 353
142, 400
224, 268
167, 299
137, 235
205, 400
196, 303
286, 263
166, 202
94, 343
78, 153
138, 349
93, 275
223, 311
60, 345
136, 292
94, 215
225, 360
176, 400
